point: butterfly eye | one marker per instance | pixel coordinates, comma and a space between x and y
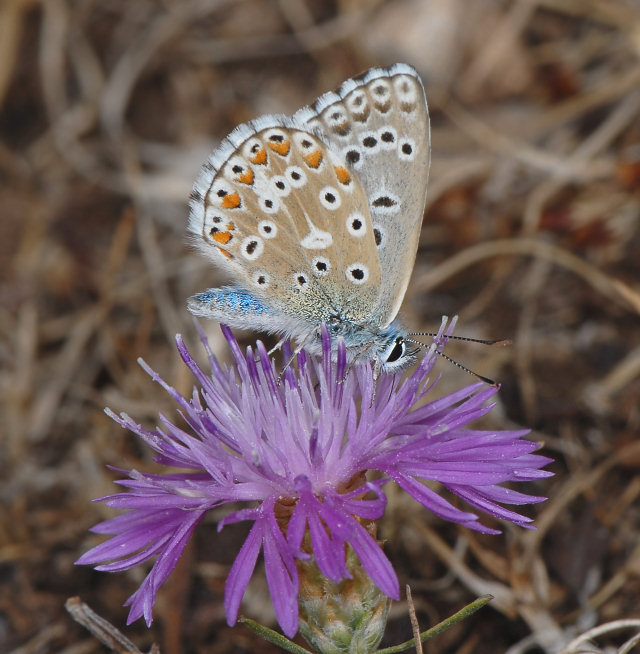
397, 351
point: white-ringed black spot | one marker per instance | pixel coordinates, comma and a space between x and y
378, 236
383, 201
406, 150
276, 138
280, 185
321, 266
296, 176
356, 225
370, 143
221, 193
352, 157
300, 280
261, 278
388, 137
252, 247
269, 204
357, 273
330, 198
267, 229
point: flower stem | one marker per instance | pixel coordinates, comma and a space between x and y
441, 626
273, 637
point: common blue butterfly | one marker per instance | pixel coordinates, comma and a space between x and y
316, 217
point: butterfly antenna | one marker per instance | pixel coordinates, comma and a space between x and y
446, 357
482, 341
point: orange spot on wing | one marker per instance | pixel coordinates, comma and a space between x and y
246, 178
222, 237
342, 174
260, 157
281, 148
313, 159
230, 226
231, 201
226, 254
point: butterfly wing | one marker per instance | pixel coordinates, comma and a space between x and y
379, 123
285, 217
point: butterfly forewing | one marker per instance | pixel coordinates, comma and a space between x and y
379, 123
290, 221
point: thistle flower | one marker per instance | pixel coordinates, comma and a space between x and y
297, 453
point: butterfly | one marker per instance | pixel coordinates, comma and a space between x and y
316, 217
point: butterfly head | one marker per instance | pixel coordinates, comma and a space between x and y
389, 349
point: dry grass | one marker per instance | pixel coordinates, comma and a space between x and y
532, 232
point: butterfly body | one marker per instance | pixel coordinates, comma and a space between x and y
316, 217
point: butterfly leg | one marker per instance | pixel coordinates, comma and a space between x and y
301, 343
362, 351
276, 347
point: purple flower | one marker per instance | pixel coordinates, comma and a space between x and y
301, 449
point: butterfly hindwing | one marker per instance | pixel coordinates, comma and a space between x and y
379, 123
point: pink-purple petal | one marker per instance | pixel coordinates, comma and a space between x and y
246, 436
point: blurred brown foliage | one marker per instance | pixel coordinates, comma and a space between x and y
532, 232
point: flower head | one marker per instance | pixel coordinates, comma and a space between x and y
297, 453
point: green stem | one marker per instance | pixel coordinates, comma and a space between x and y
441, 626
274, 637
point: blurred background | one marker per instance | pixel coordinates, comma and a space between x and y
532, 233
